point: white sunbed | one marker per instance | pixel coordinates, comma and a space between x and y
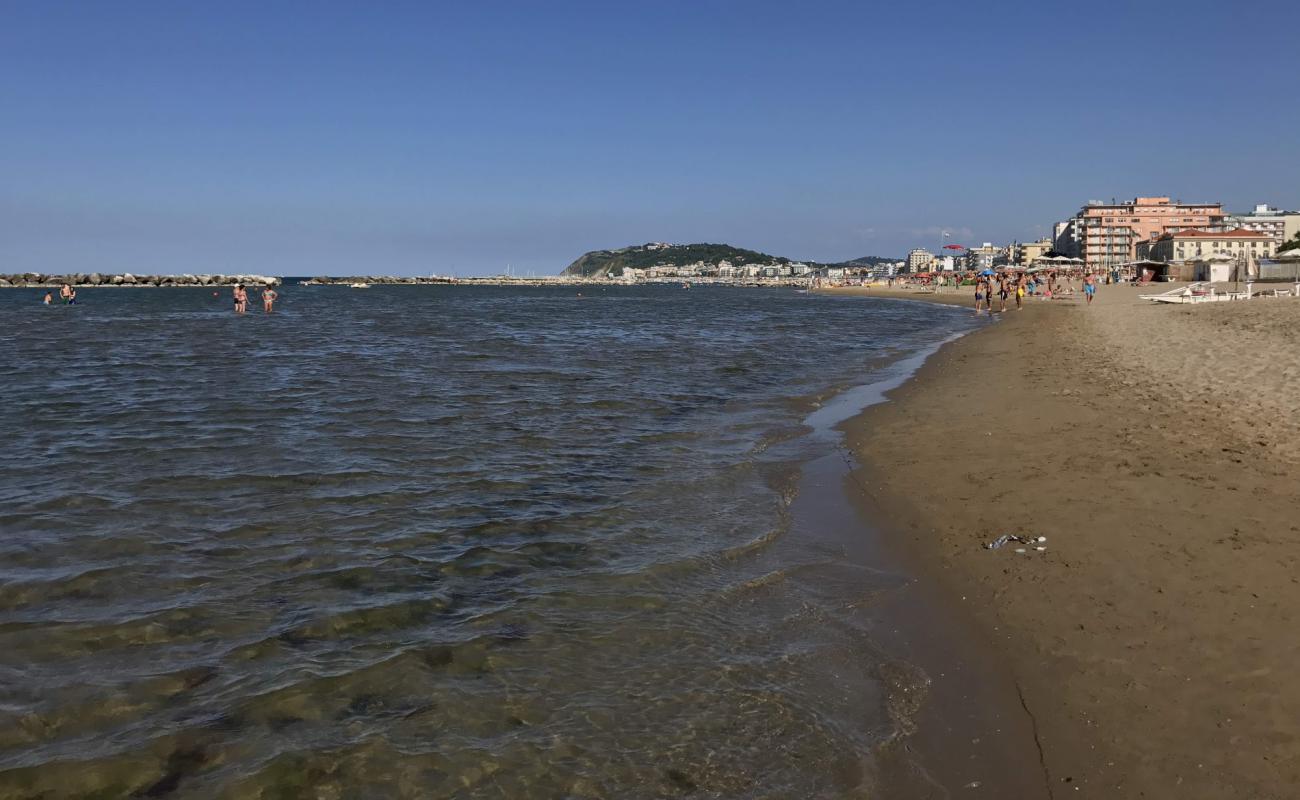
1200, 292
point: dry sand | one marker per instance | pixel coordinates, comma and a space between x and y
1156, 641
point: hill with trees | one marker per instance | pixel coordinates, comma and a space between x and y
611, 263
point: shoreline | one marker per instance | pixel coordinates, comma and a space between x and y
1150, 642
946, 737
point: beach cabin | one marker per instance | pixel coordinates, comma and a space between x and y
1215, 269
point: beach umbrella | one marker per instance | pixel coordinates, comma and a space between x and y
987, 272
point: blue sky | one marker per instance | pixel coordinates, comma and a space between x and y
426, 137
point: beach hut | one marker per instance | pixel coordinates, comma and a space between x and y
1217, 268
1145, 270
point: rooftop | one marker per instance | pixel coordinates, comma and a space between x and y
1239, 233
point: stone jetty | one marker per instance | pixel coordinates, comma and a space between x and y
392, 280
39, 280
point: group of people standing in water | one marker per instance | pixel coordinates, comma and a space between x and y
269, 295
68, 296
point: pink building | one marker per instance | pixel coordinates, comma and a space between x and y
1108, 234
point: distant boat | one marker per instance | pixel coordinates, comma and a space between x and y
359, 285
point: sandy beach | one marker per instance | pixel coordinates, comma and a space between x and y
1154, 640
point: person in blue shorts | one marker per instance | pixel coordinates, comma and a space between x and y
1089, 287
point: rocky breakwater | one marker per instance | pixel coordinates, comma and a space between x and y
378, 279
39, 280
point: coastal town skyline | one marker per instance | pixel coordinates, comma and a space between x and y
164, 140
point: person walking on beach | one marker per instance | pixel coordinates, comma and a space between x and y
979, 296
1021, 281
1089, 287
68, 294
268, 299
1003, 291
241, 299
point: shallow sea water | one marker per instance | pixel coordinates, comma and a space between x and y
433, 542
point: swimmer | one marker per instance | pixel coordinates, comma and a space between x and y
68, 294
48, 299
268, 299
241, 299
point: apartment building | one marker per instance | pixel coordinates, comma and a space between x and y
1109, 232
1065, 237
1265, 219
984, 257
919, 260
1025, 253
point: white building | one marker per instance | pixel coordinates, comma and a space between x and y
1266, 220
1065, 237
983, 257
919, 260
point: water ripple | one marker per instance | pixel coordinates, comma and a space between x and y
428, 542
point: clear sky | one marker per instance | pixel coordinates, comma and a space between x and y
436, 137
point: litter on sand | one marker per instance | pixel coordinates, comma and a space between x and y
1012, 537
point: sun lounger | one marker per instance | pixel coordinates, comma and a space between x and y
1195, 293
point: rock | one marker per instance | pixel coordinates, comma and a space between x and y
94, 279
5, 282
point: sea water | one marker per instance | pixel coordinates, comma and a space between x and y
436, 541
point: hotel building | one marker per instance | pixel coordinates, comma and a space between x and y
1109, 232
1188, 245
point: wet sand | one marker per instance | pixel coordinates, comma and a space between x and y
1154, 642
